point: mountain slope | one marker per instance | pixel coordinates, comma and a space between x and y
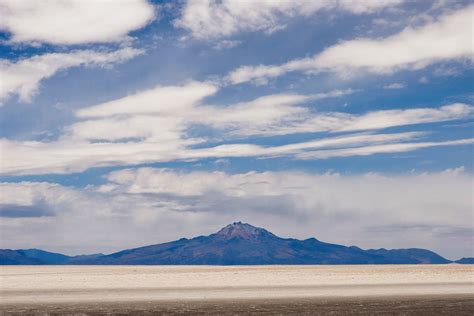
465, 261
244, 244
15, 257
44, 256
235, 244
40, 257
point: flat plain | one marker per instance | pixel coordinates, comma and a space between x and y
284, 290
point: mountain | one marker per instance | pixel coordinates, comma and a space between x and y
45, 256
465, 261
16, 257
235, 244
39, 257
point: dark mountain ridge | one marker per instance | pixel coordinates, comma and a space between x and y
465, 261
39, 257
235, 244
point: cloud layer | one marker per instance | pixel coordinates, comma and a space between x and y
162, 124
430, 210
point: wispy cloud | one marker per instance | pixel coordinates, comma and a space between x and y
379, 149
22, 77
395, 85
405, 50
144, 128
206, 19
226, 44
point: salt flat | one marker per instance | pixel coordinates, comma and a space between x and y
59, 284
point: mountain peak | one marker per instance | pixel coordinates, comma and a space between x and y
236, 244
243, 231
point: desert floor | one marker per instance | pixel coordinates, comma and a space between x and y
284, 290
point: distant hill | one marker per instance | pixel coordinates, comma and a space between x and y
45, 256
235, 244
39, 257
16, 257
465, 261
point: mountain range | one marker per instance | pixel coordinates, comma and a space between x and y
235, 244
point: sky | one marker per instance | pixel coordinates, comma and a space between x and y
133, 122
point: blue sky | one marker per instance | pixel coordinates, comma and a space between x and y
309, 115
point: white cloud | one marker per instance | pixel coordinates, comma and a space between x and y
424, 80
432, 210
160, 100
294, 119
161, 114
72, 215
73, 21
447, 38
332, 207
226, 44
395, 85
207, 19
444, 71
148, 114
345, 146
152, 128
23, 76
267, 115
249, 150
158, 125
379, 149
305, 185
66, 157
391, 118
367, 6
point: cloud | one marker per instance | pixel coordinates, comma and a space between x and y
226, 44
391, 118
148, 115
444, 71
395, 85
207, 19
70, 219
346, 146
379, 149
154, 101
331, 207
15, 211
423, 80
295, 119
66, 157
413, 48
23, 76
159, 115
162, 124
264, 116
361, 209
73, 22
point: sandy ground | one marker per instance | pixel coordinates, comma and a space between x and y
94, 288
